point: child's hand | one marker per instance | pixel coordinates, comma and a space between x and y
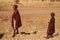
48, 22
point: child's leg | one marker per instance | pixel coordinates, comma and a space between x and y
14, 28
47, 35
51, 35
17, 31
14, 33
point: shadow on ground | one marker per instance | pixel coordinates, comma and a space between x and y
1, 35
25, 33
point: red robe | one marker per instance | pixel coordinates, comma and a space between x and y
51, 27
16, 16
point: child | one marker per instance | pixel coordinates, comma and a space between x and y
51, 26
16, 20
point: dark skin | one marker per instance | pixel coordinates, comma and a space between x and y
15, 29
14, 7
52, 16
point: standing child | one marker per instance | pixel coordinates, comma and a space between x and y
51, 26
16, 20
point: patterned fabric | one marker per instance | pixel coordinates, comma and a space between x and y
51, 27
16, 17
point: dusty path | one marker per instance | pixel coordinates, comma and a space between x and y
33, 19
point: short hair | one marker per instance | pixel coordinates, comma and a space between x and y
15, 6
52, 14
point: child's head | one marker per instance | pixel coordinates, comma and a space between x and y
15, 7
52, 14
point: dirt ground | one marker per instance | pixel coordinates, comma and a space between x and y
33, 19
